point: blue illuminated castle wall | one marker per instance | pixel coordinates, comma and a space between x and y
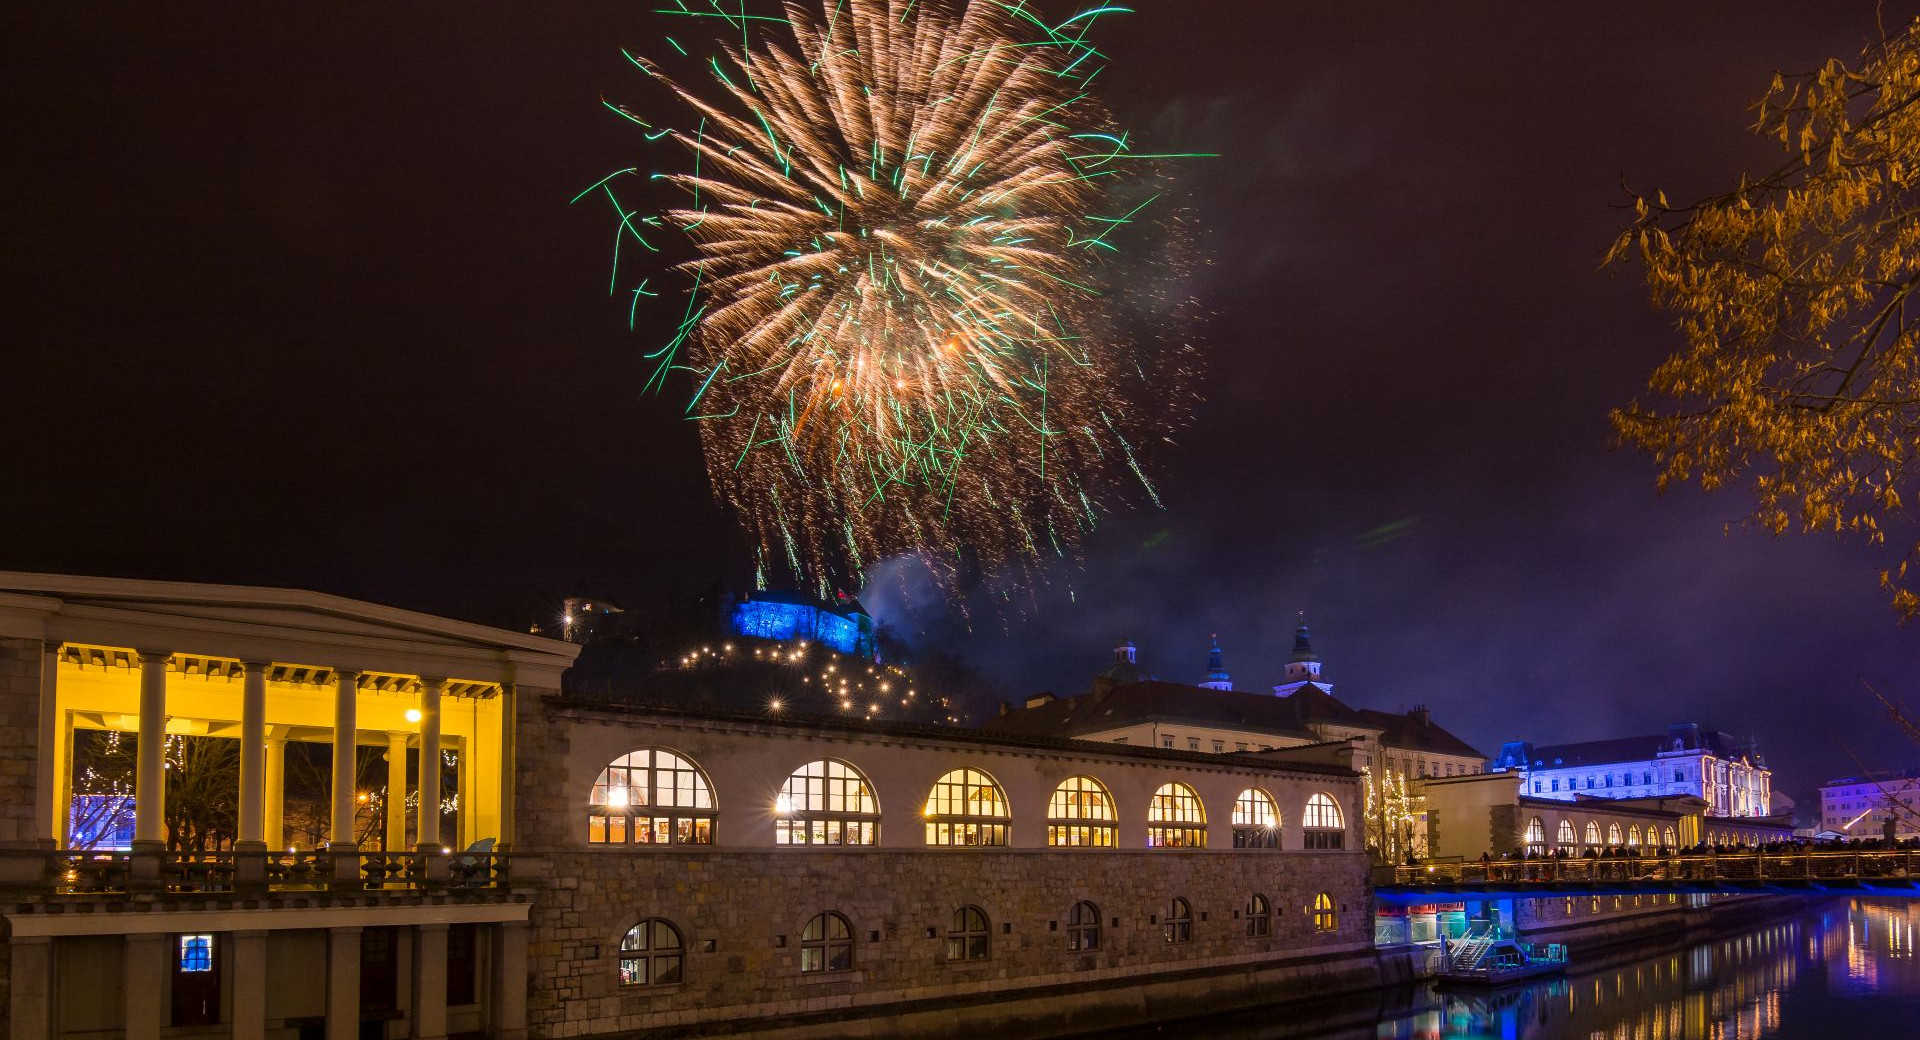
774, 615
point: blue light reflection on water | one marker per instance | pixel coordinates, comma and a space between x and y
1840, 970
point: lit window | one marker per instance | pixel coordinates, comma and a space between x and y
1178, 927
966, 808
651, 797
967, 935
1324, 828
826, 803
1565, 836
1175, 818
196, 953
1083, 927
1259, 917
1256, 820
1613, 835
1080, 814
1668, 835
1633, 836
650, 954
1593, 833
1323, 915
827, 944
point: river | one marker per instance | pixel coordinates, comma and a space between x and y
1836, 970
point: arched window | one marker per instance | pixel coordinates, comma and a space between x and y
1565, 837
1593, 833
1633, 836
1176, 819
968, 935
827, 944
1080, 814
966, 808
1323, 915
1178, 927
1669, 841
1083, 927
826, 803
1613, 835
1259, 917
650, 954
1256, 820
650, 797
1536, 837
1323, 825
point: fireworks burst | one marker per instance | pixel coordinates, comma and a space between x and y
903, 217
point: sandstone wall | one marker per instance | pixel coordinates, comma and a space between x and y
19, 738
740, 906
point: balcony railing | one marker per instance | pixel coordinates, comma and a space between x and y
84, 873
1804, 865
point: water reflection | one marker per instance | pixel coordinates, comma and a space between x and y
1844, 969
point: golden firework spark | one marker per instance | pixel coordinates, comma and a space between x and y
902, 214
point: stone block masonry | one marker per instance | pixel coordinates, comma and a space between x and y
740, 907
741, 916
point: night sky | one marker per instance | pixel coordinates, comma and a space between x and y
293, 296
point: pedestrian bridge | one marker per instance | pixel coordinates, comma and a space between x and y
1884, 872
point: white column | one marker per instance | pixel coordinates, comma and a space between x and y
275, 795
30, 975
150, 774
249, 985
63, 815
429, 814
345, 748
509, 703
396, 792
463, 835
343, 984
429, 982
253, 740
507, 982
146, 980
46, 780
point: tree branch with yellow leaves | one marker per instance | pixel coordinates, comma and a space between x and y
1799, 376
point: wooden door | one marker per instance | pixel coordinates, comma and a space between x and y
196, 979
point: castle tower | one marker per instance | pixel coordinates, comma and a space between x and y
1217, 677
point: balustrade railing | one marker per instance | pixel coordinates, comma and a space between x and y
1741, 866
88, 873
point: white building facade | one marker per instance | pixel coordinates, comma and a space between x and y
1861, 806
1729, 776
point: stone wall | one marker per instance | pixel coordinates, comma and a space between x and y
740, 907
19, 738
740, 916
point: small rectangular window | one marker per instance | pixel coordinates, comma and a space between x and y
1219, 746
1193, 743
1166, 742
196, 953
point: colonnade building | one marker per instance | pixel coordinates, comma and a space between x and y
585, 867
1395, 752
